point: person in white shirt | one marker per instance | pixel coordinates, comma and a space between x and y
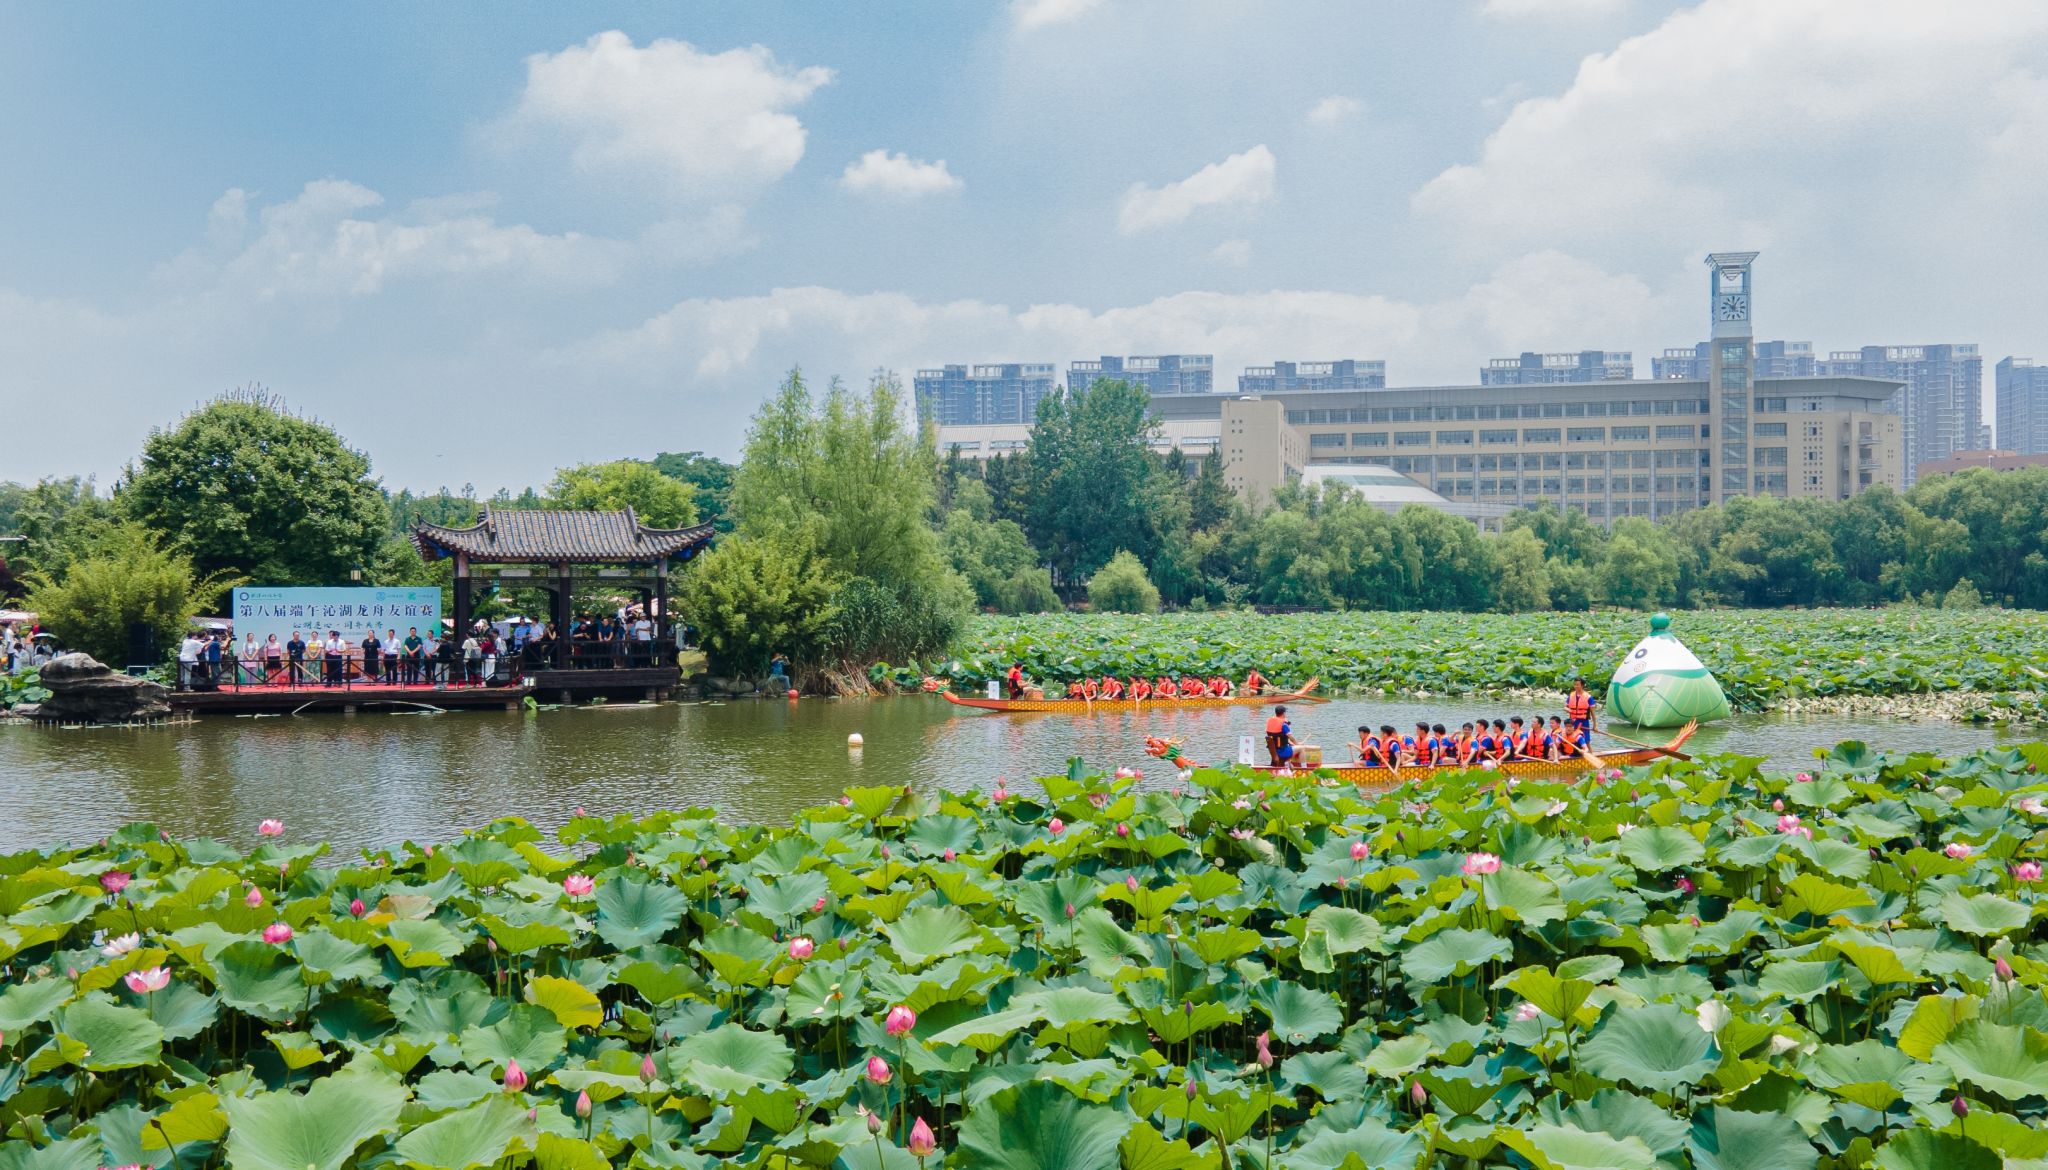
472, 659
188, 660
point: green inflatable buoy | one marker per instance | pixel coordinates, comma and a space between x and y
1662, 684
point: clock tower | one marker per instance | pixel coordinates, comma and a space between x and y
1728, 368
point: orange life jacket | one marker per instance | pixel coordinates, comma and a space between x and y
1579, 706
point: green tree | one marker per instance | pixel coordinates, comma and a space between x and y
243, 487
1093, 479
1121, 586
1211, 502
1641, 565
1028, 591
1442, 562
1963, 596
1566, 534
57, 519
710, 481
989, 553
124, 579
658, 500
753, 597
1521, 579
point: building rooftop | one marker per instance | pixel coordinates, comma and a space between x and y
552, 535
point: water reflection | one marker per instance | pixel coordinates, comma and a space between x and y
375, 779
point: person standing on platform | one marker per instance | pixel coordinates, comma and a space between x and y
391, 656
373, 656
295, 656
273, 659
415, 655
444, 658
189, 651
336, 658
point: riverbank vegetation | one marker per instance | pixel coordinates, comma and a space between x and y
1687, 965
1761, 657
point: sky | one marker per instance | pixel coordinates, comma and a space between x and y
487, 241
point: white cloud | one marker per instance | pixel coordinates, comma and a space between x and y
701, 124
1828, 124
1236, 253
1031, 14
1238, 181
879, 172
1335, 109
1550, 7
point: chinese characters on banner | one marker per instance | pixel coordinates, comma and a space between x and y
354, 611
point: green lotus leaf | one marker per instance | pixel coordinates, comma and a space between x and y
527, 1033
1620, 1114
525, 938
1555, 1147
1145, 1148
572, 1004
1934, 1019
25, 1004
1983, 914
1560, 999
659, 982
929, 933
2009, 1061
787, 896
1175, 1023
1064, 1007
1591, 968
476, 1136
319, 1129
1524, 896
75, 1154
482, 862
556, 1152
1866, 1072
423, 942
632, 912
1335, 1076
1399, 1057
1730, 1139
1923, 1149
259, 979
112, 1036
1221, 945
1879, 962
1822, 898
1344, 930
762, 1055
194, 1118
326, 958
1453, 952
452, 1089
1041, 1126
1106, 947
1297, 1013
1661, 847
297, 1049
1656, 1046
1800, 980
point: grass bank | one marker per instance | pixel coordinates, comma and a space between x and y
1690, 965
1763, 658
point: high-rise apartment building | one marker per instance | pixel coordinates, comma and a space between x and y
1546, 369
1940, 406
1160, 374
1003, 392
1308, 377
2022, 392
1772, 359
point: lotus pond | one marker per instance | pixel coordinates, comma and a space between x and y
1687, 965
1761, 657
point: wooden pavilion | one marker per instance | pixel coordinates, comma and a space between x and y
560, 551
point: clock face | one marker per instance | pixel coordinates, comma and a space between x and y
1731, 280
1733, 308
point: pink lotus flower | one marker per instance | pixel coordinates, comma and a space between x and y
878, 1070
579, 810
2034, 806
583, 1104
1358, 851
1684, 884
1127, 773
1481, 863
946, 856
922, 1143
1958, 850
2027, 871
277, 934
1804, 778
145, 981
1803, 831
899, 1021
1131, 883
1418, 1094
1525, 1011
1070, 910
1777, 806
1241, 804
515, 1077
114, 881
1056, 826
270, 828
2002, 968
578, 884
647, 1069
801, 948
1788, 823
254, 897
1264, 1053
356, 907
1123, 829
885, 853
1001, 793
120, 945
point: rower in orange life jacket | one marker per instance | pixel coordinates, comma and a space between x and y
1163, 688
1517, 738
1112, 688
1368, 746
1415, 748
1219, 687
1578, 707
1193, 688
1279, 738
1254, 683
1464, 747
1389, 747
1140, 689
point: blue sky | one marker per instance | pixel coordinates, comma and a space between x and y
485, 242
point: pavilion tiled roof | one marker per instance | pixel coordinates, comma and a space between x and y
555, 535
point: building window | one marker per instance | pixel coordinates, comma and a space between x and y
1666, 434
1734, 354
1369, 438
1507, 437
1768, 430
1812, 456
1540, 435
1631, 434
1454, 438
1596, 410
1770, 456
1411, 438
1323, 442
1587, 434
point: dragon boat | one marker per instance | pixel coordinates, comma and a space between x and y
1127, 704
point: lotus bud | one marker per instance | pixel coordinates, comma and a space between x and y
515, 1077
922, 1143
899, 1021
647, 1068
579, 810
1418, 1094
1959, 1107
946, 856
1265, 1050
878, 1070
1123, 829
1189, 1089
1056, 826
114, 881
818, 907
1358, 851
874, 1124
355, 907
1777, 806
1070, 910
801, 948
583, 1104
885, 853
2002, 968
277, 934
1684, 884
1131, 883
491, 945
254, 897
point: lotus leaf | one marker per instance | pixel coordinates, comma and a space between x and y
315, 1130
1657, 1046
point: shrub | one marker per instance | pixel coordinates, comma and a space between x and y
125, 580
1121, 586
751, 598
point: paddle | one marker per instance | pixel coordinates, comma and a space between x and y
1592, 759
1648, 747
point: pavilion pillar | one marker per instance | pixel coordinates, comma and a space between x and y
462, 597
658, 609
564, 612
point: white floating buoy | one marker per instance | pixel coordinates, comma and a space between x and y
854, 740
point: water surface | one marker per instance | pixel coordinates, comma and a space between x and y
374, 779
